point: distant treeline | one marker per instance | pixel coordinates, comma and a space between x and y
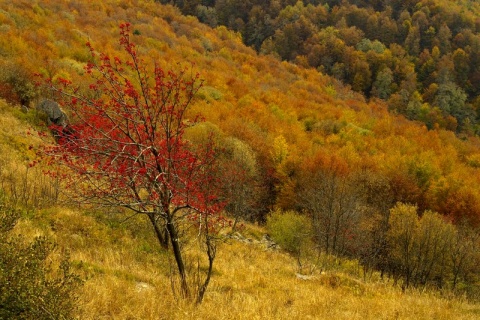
420, 56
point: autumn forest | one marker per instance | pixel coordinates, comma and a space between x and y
340, 139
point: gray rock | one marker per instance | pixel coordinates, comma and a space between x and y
266, 241
142, 286
304, 277
269, 243
54, 113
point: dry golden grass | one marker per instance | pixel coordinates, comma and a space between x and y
127, 277
23, 184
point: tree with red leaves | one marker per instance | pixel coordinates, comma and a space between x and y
127, 147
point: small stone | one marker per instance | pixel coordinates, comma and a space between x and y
304, 277
142, 286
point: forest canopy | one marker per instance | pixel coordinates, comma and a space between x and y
419, 56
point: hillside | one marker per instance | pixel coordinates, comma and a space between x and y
255, 99
419, 56
294, 133
126, 276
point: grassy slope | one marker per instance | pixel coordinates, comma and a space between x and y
128, 278
126, 274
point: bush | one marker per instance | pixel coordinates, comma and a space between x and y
17, 83
290, 230
31, 287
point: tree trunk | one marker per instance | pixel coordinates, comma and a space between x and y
234, 226
178, 256
211, 252
162, 238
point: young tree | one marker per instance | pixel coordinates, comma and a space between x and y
127, 147
375, 201
434, 237
401, 240
325, 191
240, 183
463, 255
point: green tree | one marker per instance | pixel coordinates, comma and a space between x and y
258, 27
207, 15
414, 107
445, 39
412, 42
451, 99
382, 86
462, 68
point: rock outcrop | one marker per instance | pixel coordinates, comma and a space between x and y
54, 113
266, 241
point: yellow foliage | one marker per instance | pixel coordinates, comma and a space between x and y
279, 150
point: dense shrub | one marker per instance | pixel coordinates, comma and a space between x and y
31, 285
290, 230
428, 250
17, 84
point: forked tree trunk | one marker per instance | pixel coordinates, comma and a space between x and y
162, 238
